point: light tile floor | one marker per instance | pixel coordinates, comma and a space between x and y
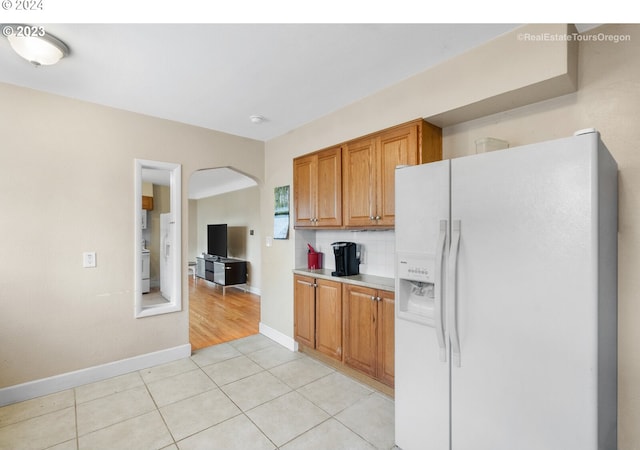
248, 394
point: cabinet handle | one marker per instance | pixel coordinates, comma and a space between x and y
372, 218
378, 299
373, 298
378, 217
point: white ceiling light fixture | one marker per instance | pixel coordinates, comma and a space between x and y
257, 119
37, 46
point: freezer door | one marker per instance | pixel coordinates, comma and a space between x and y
421, 377
166, 256
527, 299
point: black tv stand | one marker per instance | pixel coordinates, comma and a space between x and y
225, 271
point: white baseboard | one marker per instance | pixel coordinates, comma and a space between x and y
255, 290
248, 287
243, 287
279, 337
57, 383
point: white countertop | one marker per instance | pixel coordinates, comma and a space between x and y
370, 281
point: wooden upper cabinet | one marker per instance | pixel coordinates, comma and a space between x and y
359, 173
369, 170
396, 147
147, 202
329, 188
430, 141
304, 189
147, 195
353, 186
317, 189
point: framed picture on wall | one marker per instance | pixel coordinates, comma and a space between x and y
281, 213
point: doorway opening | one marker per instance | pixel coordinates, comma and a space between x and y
224, 288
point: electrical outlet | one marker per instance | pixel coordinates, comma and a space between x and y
89, 259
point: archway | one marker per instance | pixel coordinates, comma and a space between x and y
223, 308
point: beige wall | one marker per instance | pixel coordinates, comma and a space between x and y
66, 186
608, 98
236, 209
193, 250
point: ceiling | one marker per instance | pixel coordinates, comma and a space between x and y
210, 182
204, 183
218, 75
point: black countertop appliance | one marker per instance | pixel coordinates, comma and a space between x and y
347, 259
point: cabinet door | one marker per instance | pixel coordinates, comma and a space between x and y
358, 174
147, 202
329, 318
386, 341
360, 316
304, 190
235, 273
304, 310
219, 273
329, 188
200, 267
394, 148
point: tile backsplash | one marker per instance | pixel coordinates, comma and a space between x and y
377, 248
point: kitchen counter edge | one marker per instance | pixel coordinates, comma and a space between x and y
364, 280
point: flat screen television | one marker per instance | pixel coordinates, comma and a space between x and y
217, 240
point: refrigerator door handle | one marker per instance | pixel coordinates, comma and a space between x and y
442, 237
452, 293
167, 249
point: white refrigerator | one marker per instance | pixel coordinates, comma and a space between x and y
506, 300
166, 256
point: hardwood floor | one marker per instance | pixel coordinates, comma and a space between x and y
216, 317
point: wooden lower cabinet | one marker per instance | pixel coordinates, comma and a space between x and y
304, 310
351, 324
386, 337
318, 314
329, 318
368, 329
360, 315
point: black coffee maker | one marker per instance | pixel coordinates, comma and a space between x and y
347, 259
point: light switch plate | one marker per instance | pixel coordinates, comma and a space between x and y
88, 259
